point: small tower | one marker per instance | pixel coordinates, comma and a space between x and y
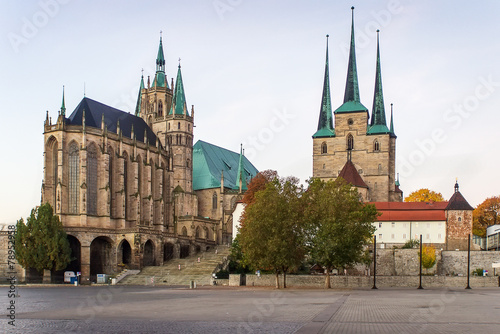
180, 137
458, 221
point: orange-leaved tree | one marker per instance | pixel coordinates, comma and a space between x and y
424, 195
258, 183
486, 214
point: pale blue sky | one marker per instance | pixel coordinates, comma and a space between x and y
254, 71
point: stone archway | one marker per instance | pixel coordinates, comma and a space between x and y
168, 251
184, 251
149, 255
74, 265
125, 253
101, 257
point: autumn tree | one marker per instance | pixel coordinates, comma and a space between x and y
41, 243
258, 183
486, 214
271, 236
338, 224
424, 195
428, 257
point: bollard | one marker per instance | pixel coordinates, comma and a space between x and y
191, 284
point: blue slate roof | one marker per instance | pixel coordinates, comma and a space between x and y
208, 162
93, 117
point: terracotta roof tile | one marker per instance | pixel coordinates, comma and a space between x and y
351, 175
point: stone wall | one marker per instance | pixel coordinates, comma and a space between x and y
348, 282
5, 271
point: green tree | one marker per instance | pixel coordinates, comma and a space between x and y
424, 195
41, 243
428, 257
339, 224
271, 236
486, 214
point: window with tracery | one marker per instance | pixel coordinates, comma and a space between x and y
376, 145
125, 182
110, 182
160, 108
92, 180
350, 142
74, 177
54, 170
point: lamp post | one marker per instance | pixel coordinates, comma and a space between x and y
374, 262
468, 263
420, 274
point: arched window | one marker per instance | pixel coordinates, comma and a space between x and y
74, 177
184, 231
54, 169
214, 201
350, 142
324, 148
110, 182
197, 234
178, 125
125, 182
160, 108
169, 126
92, 180
376, 146
380, 169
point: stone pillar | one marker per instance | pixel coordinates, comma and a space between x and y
177, 251
47, 276
85, 263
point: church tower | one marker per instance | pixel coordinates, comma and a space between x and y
362, 151
164, 109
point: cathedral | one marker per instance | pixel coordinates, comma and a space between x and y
359, 149
131, 190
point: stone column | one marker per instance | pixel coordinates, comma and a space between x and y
85, 263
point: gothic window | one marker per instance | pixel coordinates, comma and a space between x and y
92, 180
74, 177
214, 201
125, 182
324, 148
54, 169
350, 142
376, 146
169, 126
197, 233
160, 108
379, 169
189, 127
178, 125
110, 182
184, 231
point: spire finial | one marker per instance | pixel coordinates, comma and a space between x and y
142, 72
456, 184
160, 34
179, 62
63, 106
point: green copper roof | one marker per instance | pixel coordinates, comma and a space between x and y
179, 106
63, 106
325, 123
139, 97
378, 123
209, 161
160, 79
351, 86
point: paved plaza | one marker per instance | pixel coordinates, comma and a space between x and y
119, 309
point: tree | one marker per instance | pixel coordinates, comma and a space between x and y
486, 214
271, 236
339, 225
41, 243
428, 257
424, 195
258, 183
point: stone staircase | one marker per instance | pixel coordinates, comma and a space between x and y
191, 270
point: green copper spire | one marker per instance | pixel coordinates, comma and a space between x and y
378, 123
352, 101
160, 80
325, 123
239, 178
179, 100
392, 125
63, 106
139, 97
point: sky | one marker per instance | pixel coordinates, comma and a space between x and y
254, 72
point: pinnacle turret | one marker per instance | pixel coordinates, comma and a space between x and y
139, 97
160, 78
63, 106
325, 123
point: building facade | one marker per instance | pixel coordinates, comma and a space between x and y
122, 184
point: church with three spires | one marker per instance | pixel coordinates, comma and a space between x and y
350, 144
131, 190
361, 149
